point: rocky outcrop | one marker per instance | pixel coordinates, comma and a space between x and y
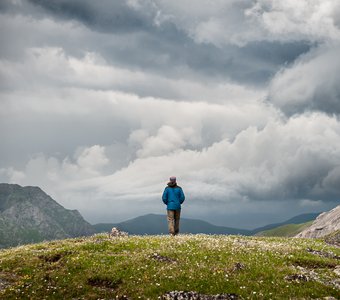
115, 232
325, 224
27, 214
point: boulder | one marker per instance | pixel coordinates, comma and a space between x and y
115, 232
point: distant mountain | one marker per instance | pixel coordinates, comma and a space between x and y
288, 230
28, 215
295, 220
325, 224
157, 224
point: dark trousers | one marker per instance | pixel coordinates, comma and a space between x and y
173, 221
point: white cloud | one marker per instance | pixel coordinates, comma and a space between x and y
289, 20
295, 161
11, 175
92, 159
311, 83
310, 203
240, 22
168, 139
22, 32
52, 171
50, 82
51, 66
282, 161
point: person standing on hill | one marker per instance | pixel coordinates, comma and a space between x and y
173, 197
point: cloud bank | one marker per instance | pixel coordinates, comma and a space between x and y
102, 102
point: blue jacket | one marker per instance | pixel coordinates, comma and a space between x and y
173, 197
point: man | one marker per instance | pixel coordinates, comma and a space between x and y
173, 197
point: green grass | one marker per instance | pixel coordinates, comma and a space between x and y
100, 267
288, 230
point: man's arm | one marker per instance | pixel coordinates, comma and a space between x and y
165, 196
182, 196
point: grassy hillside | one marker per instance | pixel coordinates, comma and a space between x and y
288, 230
137, 267
299, 219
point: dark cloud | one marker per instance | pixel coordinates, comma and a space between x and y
5, 5
166, 49
106, 15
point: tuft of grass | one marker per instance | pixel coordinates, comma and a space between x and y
147, 267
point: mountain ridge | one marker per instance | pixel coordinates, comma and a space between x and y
157, 224
28, 214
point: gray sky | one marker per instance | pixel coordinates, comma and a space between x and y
102, 101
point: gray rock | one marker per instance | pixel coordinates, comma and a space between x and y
115, 232
326, 223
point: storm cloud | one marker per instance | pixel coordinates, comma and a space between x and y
102, 102
311, 84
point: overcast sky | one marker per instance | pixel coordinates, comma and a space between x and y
103, 101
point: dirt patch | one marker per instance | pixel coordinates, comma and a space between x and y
78, 240
238, 267
304, 275
323, 253
162, 258
6, 280
53, 257
297, 278
4, 284
313, 264
104, 282
183, 295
